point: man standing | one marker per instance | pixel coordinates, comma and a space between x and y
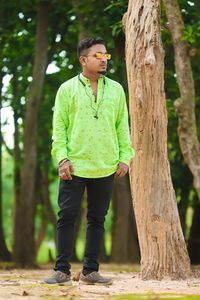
91, 142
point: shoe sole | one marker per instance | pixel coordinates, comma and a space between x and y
59, 283
95, 283
69, 283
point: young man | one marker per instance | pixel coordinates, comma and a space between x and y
91, 142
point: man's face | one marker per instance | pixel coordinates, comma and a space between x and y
93, 64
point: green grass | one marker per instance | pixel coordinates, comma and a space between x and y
154, 297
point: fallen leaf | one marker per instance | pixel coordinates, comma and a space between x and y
25, 293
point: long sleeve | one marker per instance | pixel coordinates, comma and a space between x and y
126, 152
60, 124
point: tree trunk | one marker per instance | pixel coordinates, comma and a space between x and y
162, 245
103, 257
41, 232
82, 31
122, 228
49, 212
119, 42
185, 105
182, 209
4, 253
42, 193
194, 239
16, 151
24, 244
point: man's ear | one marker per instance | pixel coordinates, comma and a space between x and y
82, 60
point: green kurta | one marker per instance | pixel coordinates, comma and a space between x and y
93, 133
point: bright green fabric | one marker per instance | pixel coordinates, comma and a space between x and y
94, 146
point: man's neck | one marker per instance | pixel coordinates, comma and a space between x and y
92, 77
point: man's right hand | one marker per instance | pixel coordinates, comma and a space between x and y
65, 170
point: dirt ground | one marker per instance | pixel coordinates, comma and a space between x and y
19, 284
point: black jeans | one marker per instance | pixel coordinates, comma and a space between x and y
69, 199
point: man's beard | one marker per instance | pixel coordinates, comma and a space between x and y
102, 72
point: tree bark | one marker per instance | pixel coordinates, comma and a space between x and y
24, 244
185, 105
162, 245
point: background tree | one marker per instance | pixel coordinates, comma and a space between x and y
24, 245
185, 108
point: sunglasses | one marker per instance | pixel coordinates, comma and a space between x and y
100, 55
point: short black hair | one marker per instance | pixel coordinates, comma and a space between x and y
88, 43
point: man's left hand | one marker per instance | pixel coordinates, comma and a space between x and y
121, 170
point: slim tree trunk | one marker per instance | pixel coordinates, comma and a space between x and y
162, 245
194, 239
16, 150
82, 31
182, 209
41, 233
185, 105
24, 244
119, 42
185, 108
4, 253
123, 224
50, 215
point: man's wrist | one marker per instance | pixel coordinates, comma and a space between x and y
62, 162
125, 163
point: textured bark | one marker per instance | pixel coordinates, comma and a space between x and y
124, 227
162, 245
185, 105
24, 244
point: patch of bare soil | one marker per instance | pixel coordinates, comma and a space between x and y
17, 284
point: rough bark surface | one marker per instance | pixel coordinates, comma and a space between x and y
24, 244
185, 105
162, 245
